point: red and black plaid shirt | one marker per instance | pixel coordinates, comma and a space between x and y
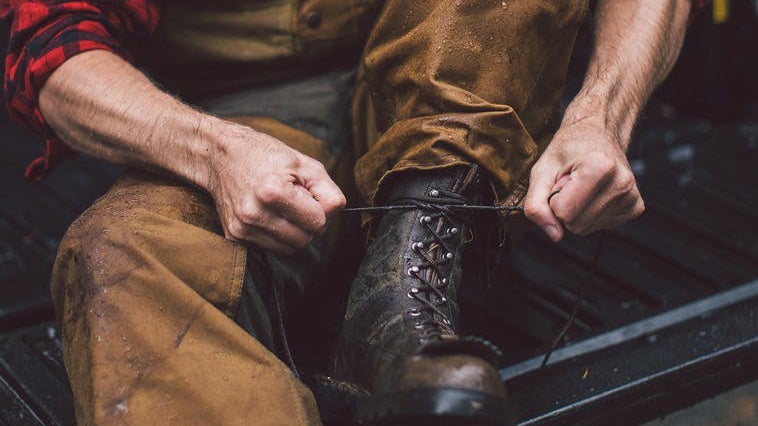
45, 33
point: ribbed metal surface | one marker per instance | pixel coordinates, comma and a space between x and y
694, 245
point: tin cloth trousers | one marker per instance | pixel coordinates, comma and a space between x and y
165, 321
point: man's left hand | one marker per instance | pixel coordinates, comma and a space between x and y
582, 183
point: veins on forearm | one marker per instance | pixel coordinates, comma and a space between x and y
636, 45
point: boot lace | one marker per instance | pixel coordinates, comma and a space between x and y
436, 254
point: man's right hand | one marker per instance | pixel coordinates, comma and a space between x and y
267, 193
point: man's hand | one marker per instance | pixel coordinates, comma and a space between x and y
582, 182
265, 192
269, 194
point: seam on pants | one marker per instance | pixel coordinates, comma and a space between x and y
237, 281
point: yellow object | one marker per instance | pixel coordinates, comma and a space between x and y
720, 11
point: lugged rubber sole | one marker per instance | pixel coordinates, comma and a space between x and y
434, 406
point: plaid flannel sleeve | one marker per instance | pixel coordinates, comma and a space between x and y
44, 34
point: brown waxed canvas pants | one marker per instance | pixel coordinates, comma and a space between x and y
148, 292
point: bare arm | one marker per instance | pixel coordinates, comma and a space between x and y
265, 192
637, 43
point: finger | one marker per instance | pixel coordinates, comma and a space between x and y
581, 193
280, 231
287, 200
609, 211
630, 208
582, 214
270, 244
599, 214
613, 204
536, 205
263, 241
324, 190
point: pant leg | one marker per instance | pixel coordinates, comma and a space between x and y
456, 82
312, 115
147, 290
144, 288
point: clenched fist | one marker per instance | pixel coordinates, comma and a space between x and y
267, 193
582, 183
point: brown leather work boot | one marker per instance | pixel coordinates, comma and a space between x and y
399, 339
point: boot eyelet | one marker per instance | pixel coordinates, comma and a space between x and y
425, 219
413, 290
418, 326
413, 270
453, 231
414, 312
449, 256
434, 193
444, 281
417, 246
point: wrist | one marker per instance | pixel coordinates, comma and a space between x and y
208, 148
191, 145
216, 145
606, 111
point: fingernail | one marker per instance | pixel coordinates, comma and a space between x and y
553, 232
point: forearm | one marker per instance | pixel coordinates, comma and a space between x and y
265, 192
583, 181
636, 45
102, 106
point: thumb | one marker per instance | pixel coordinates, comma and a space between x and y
329, 195
542, 185
325, 191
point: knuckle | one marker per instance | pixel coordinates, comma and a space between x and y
574, 223
639, 209
249, 213
626, 182
307, 162
269, 192
337, 202
320, 222
318, 165
573, 228
603, 164
536, 170
531, 210
577, 228
235, 229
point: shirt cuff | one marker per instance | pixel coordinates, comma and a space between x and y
32, 69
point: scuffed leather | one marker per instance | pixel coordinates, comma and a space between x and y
382, 349
458, 371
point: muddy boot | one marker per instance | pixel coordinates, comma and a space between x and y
399, 339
